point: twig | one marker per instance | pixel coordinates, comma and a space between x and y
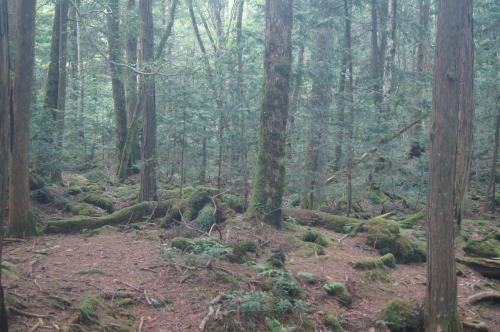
211, 312
147, 298
139, 328
20, 312
343, 237
37, 325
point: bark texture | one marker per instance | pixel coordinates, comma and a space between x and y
21, 222
148, 171
493, 170
320, 103
451, 96
270, 174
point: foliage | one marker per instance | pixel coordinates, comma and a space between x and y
401, 315
339, 291
315, 237
388, 260
202, 246
333, 323
483, 248
99, 199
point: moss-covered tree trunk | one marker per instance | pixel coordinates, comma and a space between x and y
4, 135
349, 101
451, 95
493, 170
115, 50
319, 104
270, 174
148, 171
20, 218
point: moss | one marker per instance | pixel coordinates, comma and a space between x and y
401, 315
339, 224
388, 260
475, 325
311, 249
339, 291
188, 209
74, 189
307, 277
97, 176
58, 302
377, 197
8, 270
83, 209
483, 248
277, 258
411, 220
181, 243
242, 247
205, 219
86, 310
377, 275
404, 249
315, 237
333, 323
128, 214
234, 202
102, 200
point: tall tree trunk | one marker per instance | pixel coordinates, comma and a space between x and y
451, 99
295, 99
203, 168
375, 57
390, 50
148, 171
115, 50
349, 101
4, 144
55, 93
21, 221
270, 174
320, 103
493, 170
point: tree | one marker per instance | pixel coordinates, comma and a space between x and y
493, 170
21, 221
270, 173
115, 50
451, 96
148, 171
4, 145
55, 94
320, 102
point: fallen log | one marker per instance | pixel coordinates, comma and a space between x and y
488, 267
489, 296
122, 216
339, 224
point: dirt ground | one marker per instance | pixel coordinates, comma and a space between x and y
128, 261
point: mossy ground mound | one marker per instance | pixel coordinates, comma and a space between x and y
339, 291
315, 237
339, 224
388, 260
83, 209
401, 315
333, 323
484, 248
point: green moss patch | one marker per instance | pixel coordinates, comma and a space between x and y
388, 260
102, 200
83, 209
339, 291
315, 237
400, 315
333, 323
484, 248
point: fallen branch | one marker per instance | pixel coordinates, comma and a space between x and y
139, 328
489, 296
211, 312
20, 312
339, 224
37, 325
488, 267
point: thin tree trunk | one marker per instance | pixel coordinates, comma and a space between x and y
21, 221
493, 171
349, 121
4, 143
203, 168
375, 57
390, 50
270, 174
115, 50
451, 99
168, 29
148, 190
320, 103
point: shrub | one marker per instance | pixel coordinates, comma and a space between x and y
333, 323
339, 291
315, 237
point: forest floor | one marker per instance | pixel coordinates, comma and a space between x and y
123, 274
116, 262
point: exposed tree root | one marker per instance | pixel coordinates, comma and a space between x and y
134, 212
484, 297
340, 224
488, 267
211, 312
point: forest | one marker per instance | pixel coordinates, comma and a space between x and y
249, 165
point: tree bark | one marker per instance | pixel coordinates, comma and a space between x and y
148, 171
375, 57
493, 170
320, 103
451, 96
390, 50
4, 143
349, 121
21, 221
270, 174
115, 50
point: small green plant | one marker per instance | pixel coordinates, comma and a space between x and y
333, 323
400, 315
9, 270
200, 247
315, 237
339, 291
388, 260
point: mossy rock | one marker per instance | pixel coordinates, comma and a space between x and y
404, 249
205, 219
379, 226
401, 315
83, 209
234, 202
339, 224
484, 248
388, 260
315, 237
99, 199
333, 323
411, 220
97, 176
339, 291
189, 208
73, 189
